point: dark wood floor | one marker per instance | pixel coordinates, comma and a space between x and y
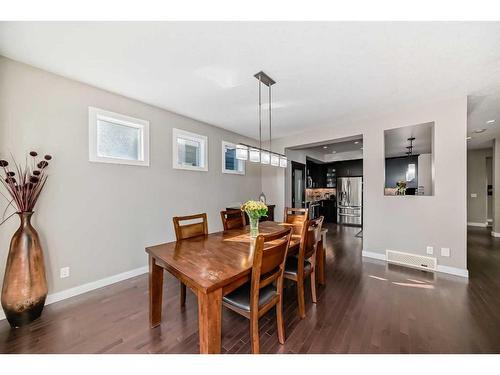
366, 307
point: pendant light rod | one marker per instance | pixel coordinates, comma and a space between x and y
260, 112
270, 111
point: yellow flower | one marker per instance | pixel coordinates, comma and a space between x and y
255, 209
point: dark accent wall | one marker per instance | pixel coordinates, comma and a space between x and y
395, 170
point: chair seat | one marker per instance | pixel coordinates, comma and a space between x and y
240, 297
291, 266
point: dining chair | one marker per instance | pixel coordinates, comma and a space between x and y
265, 289
302, 265
232, 219
197, 228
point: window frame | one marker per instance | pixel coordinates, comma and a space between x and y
96, 114
202, 139
229, 171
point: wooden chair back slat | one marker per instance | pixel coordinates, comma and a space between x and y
269, 261
311, 235
297, 217
232, 219
190, 230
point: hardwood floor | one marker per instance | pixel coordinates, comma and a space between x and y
366, 307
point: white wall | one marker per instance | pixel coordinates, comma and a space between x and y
97, 218
402, 223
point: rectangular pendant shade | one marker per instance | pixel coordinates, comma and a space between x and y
241, 152
254, 155
275, 160
264, 157
283, 162
410, 173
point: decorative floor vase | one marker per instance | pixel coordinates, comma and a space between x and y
254, 226
24, 284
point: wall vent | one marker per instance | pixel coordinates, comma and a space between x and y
411, 260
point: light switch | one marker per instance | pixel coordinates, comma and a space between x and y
430, 250
473, 195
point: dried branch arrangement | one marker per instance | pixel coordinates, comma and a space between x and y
23, 183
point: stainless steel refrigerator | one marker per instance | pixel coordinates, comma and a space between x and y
350, 200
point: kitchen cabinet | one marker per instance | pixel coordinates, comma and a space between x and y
349, 168
325, 175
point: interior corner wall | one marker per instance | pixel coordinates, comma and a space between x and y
407, 223
97, 218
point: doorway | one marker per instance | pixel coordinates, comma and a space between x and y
298, 185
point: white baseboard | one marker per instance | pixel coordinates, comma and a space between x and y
453, 271
444, 269
495, 234
371, 254
472, 224
68, 293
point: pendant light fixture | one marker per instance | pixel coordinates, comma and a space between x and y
259, 154
410, 172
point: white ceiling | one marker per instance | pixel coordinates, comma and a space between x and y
324, 71
481, 109
396, 140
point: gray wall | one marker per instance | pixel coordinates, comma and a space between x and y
411, 223
97, 218
477, 181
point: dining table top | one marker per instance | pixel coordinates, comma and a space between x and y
213, 261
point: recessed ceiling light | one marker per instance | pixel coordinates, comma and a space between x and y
356, 142
325, 146
468, 138
477, 131
490, 121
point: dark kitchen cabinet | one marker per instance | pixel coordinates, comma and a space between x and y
349, 168
317, 174
325, 175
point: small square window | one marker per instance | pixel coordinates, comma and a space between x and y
229, 162
190, 151
116, 138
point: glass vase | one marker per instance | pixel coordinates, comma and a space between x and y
254, 226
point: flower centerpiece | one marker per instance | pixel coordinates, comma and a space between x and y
401, 188
24, 285
255, 210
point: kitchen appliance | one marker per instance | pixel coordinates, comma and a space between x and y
350, 200
314, 210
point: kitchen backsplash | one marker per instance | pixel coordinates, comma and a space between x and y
319, 194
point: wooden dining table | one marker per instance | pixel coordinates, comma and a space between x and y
211, 266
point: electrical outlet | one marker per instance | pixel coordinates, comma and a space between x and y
445, 251
430, 250
64, 272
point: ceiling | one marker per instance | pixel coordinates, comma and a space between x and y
482, 109
396, 140
325, 71
334, 150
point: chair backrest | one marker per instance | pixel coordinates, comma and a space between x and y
310, 237
268, 262
198, 228
232, 219
295, 215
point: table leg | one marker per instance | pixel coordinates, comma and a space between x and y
155, 292
320, 261
209, 321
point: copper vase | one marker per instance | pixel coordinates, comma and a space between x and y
24, 284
